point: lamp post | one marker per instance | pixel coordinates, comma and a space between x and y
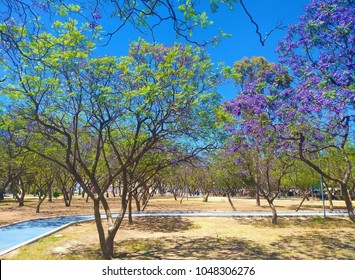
321, 188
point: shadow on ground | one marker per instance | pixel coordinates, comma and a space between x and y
320, 239
160, 224
317, 247
295, 247
196, 249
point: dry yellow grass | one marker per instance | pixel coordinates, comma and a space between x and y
203, 238
10, 212
194, 238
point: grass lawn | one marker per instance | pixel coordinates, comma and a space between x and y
171, 238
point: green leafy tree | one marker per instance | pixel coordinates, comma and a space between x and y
13, 168
65, 182
301, 177
231, 175
99, 118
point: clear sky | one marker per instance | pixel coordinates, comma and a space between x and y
244, 41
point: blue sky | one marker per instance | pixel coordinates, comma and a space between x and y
244, 41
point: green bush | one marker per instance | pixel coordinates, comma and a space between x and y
56, 194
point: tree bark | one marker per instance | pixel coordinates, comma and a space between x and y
145, 204
107, 242
182, 198
257, 196
205, 198
304, 198
348, 203
174, 194
270, 201
230, 201
274, 213
130, 219
104, 248
21, 198
40, 200
50, 194
66, 197
113, 190
331, 206
137, 201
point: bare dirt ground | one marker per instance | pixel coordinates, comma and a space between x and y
11, 212
191, 238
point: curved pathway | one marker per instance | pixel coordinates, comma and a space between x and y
16, 235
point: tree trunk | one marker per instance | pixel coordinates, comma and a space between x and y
230, 201
270, 201
21, 202
331, 206
205, 198
138, 203
23, 192
174, 194
104, 248
50, 194
147, 197
65, 197
130, 219
145, 204
107, 243
274, 214
113, 191
348, 203
70, 196
257, 195
40, 200
20, 198
182, 198
304, 198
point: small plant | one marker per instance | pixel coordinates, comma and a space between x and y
56, 194
320, 220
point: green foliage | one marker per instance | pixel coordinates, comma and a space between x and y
300, 176
117, 109
56, 193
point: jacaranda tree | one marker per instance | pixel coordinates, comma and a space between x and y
314, 114
104, 119
320, 52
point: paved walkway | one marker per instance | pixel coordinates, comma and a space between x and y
18, 234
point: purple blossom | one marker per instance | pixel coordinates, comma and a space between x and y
321, 93
96, 15
93, 25
239, 161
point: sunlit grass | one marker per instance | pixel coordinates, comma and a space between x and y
204, 238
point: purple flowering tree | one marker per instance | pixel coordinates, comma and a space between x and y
258, 80
311, 114
320, 52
